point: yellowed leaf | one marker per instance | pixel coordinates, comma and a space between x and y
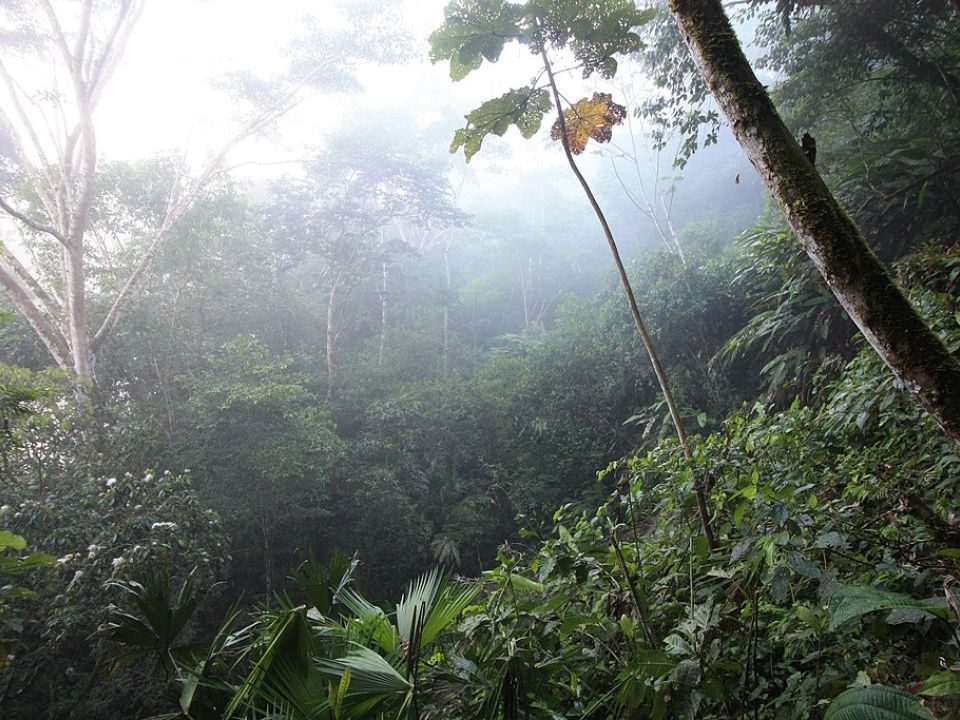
589, 118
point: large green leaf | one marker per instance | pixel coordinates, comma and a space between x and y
323, 586
11, 540
282, 643
876, 702
519, 583
11, 565
596, 32
523, 107
153, 621
370, 621
476, 30
942, 684
852, 601
371, 676
199, 674
291, 691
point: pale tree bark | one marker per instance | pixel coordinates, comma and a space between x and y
331, 334
660, 213
446, 307
65, 186
383, 299
833, 242
57, 156
524, 278
534, 308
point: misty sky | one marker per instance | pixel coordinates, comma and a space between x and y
161, 97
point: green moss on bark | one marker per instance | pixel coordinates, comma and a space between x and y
829, 236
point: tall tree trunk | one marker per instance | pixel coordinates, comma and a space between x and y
265, 524
64, 186
857, 278
81, 352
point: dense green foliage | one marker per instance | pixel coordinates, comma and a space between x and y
347, 362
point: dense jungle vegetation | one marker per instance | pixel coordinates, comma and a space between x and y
374, 434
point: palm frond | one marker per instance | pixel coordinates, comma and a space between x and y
290, 691
446, 610
322, 586
371, 621
433, 603
372, 678
283, 639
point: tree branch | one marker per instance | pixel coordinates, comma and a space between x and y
58, 34
83, 33
182, 204
25, 162
103, 66
30, 222
46, 331
44, 300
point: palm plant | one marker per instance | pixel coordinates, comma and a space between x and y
363, 664
153, 622
152, 625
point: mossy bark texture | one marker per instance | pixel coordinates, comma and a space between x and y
829, 236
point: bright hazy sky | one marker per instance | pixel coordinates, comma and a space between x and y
160, 97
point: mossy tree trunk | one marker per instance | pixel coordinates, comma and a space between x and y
857, 278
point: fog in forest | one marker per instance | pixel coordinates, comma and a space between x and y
422, 359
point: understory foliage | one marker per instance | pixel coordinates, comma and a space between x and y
89, 533
823, 516
350, 363
837, 566
833, 588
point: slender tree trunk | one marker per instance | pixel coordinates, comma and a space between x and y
383, 315
523, 296
267, 553
856, 277
331, 334
701, 495
672, 233
665, 229
446, 309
